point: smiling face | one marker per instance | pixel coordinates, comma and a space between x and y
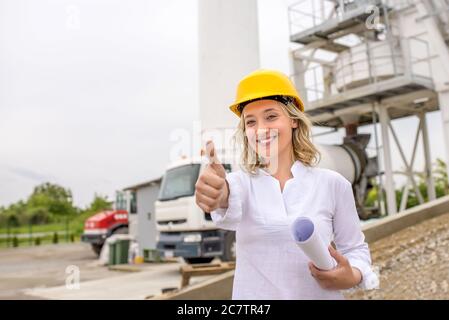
268, 128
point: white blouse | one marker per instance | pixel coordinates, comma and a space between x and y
269, 264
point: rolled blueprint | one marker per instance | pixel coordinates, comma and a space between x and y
308, 239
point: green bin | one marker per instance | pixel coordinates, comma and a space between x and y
121, 251
112, 253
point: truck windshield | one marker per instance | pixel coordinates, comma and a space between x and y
179, 182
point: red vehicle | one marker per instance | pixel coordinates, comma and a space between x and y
102, 225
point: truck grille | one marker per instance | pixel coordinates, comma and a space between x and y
166, 222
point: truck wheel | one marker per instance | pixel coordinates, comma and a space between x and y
229, 247
97, 248
198, 260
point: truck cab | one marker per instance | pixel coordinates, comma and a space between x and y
184, 229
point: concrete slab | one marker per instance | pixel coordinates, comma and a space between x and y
130, 286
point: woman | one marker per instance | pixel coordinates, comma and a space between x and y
278, 183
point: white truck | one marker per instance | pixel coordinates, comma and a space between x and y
186, 231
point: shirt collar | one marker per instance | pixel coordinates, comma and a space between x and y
297, 169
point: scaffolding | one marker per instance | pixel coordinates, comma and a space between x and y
355, 65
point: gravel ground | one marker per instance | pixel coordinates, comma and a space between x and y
413, 263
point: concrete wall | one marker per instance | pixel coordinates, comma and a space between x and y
218, 288
386, 226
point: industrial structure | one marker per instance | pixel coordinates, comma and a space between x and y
371, 61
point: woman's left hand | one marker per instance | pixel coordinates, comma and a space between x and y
343, 276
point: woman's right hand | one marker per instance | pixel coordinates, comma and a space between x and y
212, 189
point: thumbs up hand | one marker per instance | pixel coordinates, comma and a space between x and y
211, 189
214, 163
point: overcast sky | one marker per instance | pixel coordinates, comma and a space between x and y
90, 90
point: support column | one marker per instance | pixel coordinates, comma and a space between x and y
427, 158
443, 100
298, 69
386, 151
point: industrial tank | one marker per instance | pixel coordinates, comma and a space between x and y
367, 61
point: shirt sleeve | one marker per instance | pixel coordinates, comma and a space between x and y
349, 238
229, 218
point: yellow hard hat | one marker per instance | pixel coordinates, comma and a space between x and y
264, 84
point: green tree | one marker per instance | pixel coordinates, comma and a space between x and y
440, 176
38, 215
99, 203
48, 203
372, 195
54, 199
14, 215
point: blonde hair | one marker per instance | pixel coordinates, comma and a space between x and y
303, 148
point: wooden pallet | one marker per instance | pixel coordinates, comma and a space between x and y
203, 269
